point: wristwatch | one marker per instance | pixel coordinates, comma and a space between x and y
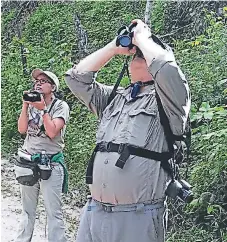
44, 111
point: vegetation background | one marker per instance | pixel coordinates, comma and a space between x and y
53, 34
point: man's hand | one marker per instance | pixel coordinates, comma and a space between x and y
140, 31
38, 105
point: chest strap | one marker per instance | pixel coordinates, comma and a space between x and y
125, 150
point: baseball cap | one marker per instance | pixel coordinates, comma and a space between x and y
51, 75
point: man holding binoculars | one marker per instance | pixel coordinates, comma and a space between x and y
43, 118
127, 201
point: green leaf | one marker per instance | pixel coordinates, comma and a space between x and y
205, 106
208, 115
208, 136
210, 209
222, 82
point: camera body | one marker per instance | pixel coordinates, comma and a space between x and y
32, 96
125, 35
180, 189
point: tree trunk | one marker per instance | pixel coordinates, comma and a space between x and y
148, 12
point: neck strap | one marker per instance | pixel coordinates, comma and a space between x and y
113, 93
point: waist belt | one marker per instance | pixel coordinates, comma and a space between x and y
138, 207
125, 150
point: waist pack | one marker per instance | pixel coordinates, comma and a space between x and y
27, 172
29, 169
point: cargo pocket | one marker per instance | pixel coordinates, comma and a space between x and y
142, 123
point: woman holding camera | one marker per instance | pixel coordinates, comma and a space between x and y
43, 118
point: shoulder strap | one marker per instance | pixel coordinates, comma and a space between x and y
113, 93
165, 124
52, 104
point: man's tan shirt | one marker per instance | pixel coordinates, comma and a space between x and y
136, 123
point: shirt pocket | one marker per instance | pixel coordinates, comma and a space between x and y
142, 124
108, 121
110, 111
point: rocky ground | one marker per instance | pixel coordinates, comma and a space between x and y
11, 209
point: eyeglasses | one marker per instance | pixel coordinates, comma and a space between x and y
42, 81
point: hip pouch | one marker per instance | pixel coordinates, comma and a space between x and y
45, 171
27, 172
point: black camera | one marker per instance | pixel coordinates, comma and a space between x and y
180, 189
32, 96
125, 35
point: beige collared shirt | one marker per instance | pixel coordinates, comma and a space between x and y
134, 122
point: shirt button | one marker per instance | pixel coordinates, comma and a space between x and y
106, 162
104, 185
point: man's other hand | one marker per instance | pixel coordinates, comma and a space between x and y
141, 30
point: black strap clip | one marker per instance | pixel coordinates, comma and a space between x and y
105, 147
125, 153
121, 148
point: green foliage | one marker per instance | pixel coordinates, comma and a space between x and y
157, 19
204, 62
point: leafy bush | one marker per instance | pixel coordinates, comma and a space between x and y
204, 62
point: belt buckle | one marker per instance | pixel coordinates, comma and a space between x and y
104, 146
121, 148
108, 209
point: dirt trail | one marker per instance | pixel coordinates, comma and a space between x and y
11, 210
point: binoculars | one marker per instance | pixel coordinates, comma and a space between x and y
125, 35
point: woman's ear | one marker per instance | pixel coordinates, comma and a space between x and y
53, 88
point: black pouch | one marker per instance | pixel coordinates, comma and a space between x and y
27, 172
44, 167
45, 172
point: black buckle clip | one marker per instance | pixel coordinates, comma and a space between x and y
121, 148
105, 147
108, 209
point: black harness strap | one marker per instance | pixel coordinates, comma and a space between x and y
125, 150
89, 171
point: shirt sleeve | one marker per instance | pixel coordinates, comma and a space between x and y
173, 90
85, 87
61, 110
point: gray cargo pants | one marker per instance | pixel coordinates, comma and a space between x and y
131, 223
51, 190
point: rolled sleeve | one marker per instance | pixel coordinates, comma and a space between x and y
173, 90
85, 87
61, 111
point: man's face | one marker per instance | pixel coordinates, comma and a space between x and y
138, 69
43, 84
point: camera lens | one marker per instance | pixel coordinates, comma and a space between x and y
32, 97
185, 195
